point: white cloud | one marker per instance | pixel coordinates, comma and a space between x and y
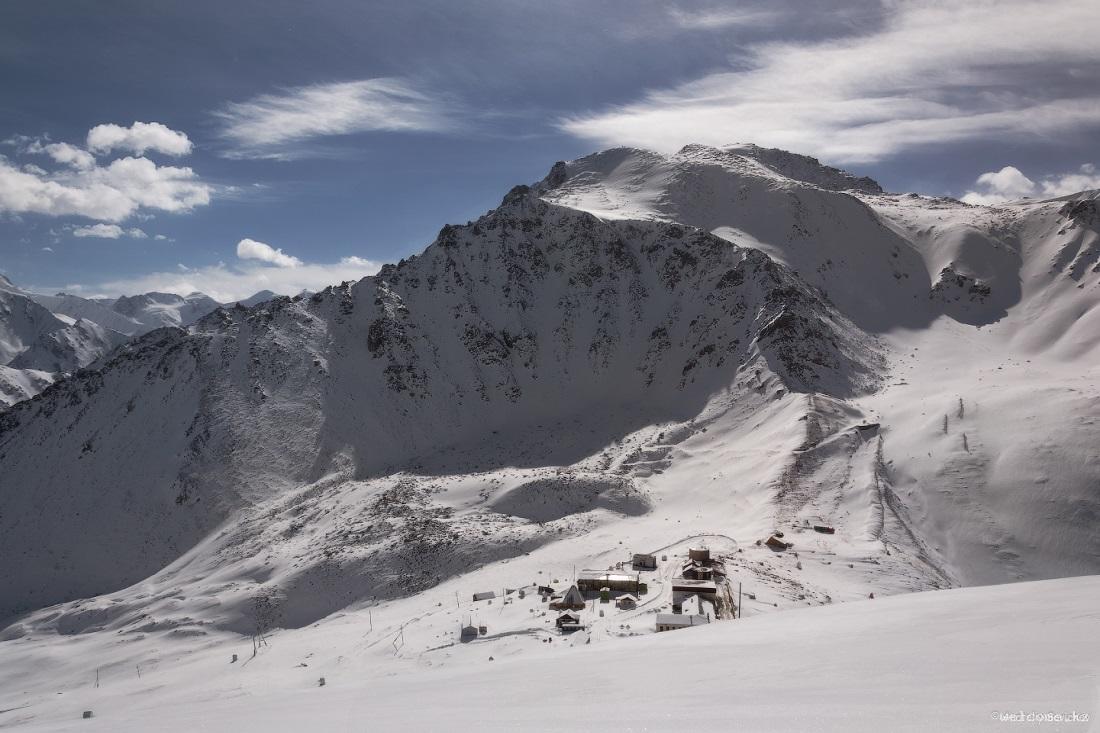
102, 231
160, 237
354, 261
1009, 184
67, 154
111, 193
266, 125
932, 73
229, 283
250, 249
139, 138
108, 231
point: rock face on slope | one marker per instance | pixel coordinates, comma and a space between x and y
533, 313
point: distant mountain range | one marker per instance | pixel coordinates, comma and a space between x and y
43, 337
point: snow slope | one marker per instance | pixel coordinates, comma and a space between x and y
949, 660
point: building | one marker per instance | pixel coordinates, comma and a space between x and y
688, 585
699, 554
592, 580
695, 570
627, 602
690, 605
569, 622
777, 544
468, 632
572, 599
644, 562
485, 596
673, 621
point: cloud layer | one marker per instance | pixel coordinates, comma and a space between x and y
1009, 184
108, 192
270, 124
933, 73
227, 283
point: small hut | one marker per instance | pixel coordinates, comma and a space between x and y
644, 562
569, 622
627, 602
776, 544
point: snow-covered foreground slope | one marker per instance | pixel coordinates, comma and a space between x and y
956, 660
640, 353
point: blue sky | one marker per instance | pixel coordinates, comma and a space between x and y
144, 142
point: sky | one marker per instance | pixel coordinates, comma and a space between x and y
231, 147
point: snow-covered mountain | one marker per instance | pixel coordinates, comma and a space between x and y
156, 310
45, 336
36, 345
257, 298
640, 352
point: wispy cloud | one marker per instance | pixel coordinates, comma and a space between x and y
717, 19
1009, 183
274, 125
931, 73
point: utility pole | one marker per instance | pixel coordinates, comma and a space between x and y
739, 614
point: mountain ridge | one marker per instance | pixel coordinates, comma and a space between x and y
582, 347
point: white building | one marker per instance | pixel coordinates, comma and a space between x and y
673, 621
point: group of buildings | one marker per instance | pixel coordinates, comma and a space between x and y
694, 591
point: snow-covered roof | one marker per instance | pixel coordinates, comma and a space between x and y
694, 586
607, 575
681, 619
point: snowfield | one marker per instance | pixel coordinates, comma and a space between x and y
948, 660
843, 394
